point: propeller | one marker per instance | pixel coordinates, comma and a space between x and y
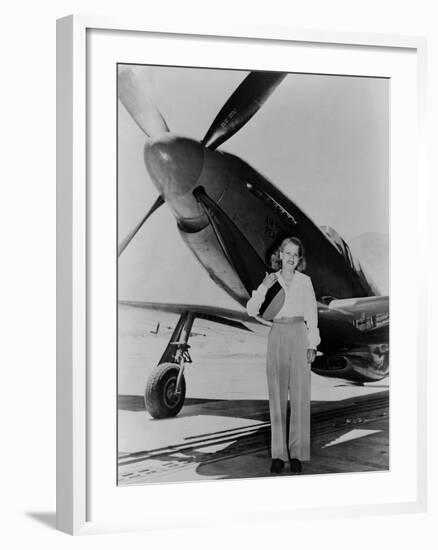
124, 243
243, 104
133, 81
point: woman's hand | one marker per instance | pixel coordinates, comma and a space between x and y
270, 279
311, 354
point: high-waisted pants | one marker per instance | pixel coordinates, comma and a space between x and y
289, 374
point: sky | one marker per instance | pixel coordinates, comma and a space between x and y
321, 139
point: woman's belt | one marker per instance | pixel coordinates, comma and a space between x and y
289, 320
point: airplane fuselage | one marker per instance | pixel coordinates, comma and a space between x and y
253, 207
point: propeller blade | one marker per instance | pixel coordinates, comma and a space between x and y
124, 243
241, 106
133, 83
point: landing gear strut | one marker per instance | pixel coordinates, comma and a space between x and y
166, 387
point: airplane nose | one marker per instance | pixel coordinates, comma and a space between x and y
174, 164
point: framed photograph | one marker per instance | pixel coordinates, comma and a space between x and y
240, 292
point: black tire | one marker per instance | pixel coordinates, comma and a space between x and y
159, 396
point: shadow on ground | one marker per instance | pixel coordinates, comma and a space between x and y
46, 518
252, 409
135, 403
249, 456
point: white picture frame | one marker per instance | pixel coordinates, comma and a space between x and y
75, 212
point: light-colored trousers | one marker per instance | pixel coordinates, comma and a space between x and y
289, 374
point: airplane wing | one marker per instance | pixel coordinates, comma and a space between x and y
354, 333
370, 304
367, 314
353, 322
230, 317
343, 323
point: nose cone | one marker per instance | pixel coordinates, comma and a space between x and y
174, 164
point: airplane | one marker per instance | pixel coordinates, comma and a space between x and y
233, 218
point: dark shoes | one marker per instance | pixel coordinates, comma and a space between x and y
295, 466
277, 465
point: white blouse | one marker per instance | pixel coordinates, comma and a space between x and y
299, 301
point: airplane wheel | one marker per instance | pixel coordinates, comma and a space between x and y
159, 397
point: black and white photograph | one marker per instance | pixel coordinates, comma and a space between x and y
252, 273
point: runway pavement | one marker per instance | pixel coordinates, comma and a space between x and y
223, 430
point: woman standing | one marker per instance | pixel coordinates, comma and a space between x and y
292, 344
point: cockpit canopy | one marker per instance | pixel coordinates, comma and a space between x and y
341, 246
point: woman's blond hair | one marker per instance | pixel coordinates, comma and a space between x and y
275, 256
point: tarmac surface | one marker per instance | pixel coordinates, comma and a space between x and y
223, 430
